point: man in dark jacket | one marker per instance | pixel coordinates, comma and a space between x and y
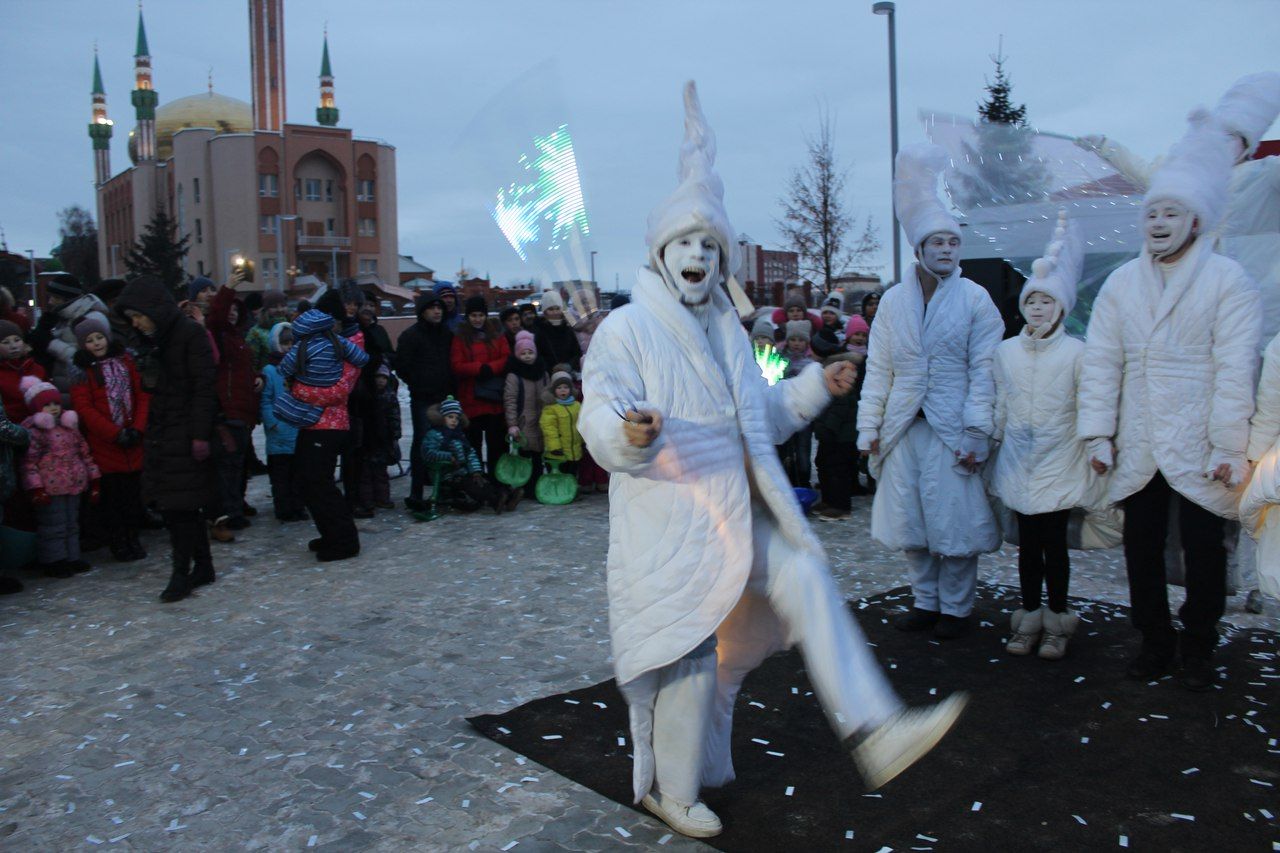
176, 365
237, 385
422, 363
557, 344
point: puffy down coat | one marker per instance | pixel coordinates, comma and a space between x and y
92, 403
1260, 505
1169, 372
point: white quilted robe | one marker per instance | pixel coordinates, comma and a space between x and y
1260, 505
1169, 372
680, 511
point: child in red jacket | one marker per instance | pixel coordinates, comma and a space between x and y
15, 363
57, 469
113, 414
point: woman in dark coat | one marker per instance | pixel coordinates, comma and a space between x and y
177, 369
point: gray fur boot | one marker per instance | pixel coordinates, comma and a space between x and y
1058, 628
1026, 631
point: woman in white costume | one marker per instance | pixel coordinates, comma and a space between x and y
1260, 505
711, 566
1041, 471
925, 414
1166, 394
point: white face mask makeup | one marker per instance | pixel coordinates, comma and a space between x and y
692, 262
940, 254
1040, 310
1167, 227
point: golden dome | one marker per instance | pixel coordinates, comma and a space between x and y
207, 109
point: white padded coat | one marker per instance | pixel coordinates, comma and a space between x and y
1169, 372
1041, 465
1260, 505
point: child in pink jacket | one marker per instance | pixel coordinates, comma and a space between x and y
57, 469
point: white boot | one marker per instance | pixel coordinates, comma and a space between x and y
695, 821
1058, 627
905, 739
1026, 631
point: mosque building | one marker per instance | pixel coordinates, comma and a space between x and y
242, 182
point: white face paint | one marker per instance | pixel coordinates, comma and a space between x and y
1167, 227
1040, 309
940, 253
693, 262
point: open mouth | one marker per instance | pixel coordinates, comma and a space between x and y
693, 275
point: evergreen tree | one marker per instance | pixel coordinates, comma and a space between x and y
815, 221
159, 252
78, 251
1002, 167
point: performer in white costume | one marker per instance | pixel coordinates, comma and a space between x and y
711, 566
925, 414
1166, 393
1260, 504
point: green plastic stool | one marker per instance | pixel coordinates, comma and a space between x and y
513, 469
556, 487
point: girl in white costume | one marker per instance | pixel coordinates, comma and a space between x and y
1041, 471
711, 566
925, 414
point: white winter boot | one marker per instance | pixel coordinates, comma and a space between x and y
905, 739
1026, 631
1058, 628
695, 821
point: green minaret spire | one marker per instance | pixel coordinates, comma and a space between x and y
326, 113
141, 49
97, 77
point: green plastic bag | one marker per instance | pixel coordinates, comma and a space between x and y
513, 469
556, 487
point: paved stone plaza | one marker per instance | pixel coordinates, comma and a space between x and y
295, 705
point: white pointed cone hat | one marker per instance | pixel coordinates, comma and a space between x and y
1196, 171
1058, 272
698, 201
1250, 106
915, 193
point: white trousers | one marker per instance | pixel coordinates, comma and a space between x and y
692, 699
943, 584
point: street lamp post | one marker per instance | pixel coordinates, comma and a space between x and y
281, 218
593, 266
887, 8
35, 309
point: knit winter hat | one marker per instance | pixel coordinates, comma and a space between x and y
551, 299
795, 300
698, 201
834, 301
37, 393
450, 406
915, 193
8, 329
762, 328
475, 303
62, 284
830, 309
90, 323
109, 289
510, 311
857, 323
524, 342
1196, 171
425, 300
351, 293
561, 378
197, 285
799, 329
1249, 107
1058, 272
274, 299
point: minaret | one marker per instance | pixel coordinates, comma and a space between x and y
144, 98
266, 63
100, 128
326, 113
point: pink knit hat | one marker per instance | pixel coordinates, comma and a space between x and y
857, 324
524, 341
38, 393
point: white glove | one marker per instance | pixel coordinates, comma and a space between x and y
974, 441
1240, 468
1102, 450
867, 437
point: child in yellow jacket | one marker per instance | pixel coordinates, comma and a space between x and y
559, 422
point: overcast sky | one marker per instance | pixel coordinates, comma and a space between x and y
416, 73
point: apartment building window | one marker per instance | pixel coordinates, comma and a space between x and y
369, 265
368, 227
269, 268
268, 186
200, 267
297, 188
329, 226
313, 189
267, 224
328, 190
365, 191
199, 232
195, 189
